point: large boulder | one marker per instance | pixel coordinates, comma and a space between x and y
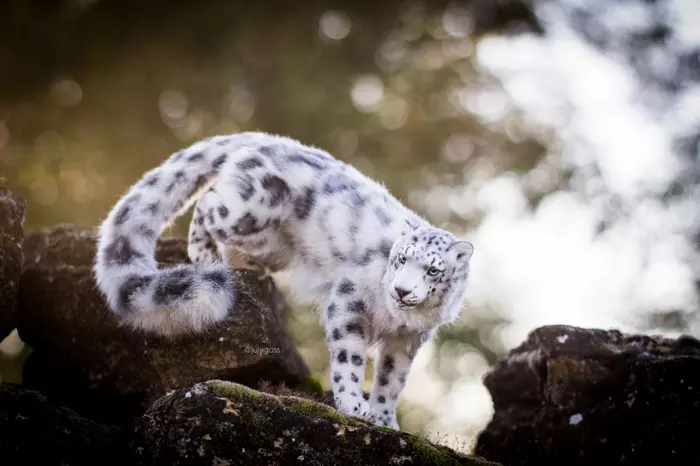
11, 237
221, 423
84, 358
35, 431
573, 396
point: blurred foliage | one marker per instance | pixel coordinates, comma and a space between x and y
95, 92
646, 35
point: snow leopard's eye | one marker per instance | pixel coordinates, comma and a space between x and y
432, 271
402, 258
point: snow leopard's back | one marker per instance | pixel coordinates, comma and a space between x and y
316, 215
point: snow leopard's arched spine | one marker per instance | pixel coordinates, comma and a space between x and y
181, 299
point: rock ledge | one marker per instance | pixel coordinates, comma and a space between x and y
223, 423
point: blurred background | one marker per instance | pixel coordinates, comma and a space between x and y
561, 137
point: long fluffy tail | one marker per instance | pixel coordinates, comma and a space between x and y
180, 299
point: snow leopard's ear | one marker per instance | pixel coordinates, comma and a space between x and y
409, 227
462, 251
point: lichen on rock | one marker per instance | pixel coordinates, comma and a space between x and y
217, 422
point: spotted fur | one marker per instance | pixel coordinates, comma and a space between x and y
381, 275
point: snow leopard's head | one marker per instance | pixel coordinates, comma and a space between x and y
427, 270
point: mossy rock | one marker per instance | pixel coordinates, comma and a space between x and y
224, 423
312, 386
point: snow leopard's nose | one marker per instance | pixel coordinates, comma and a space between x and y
401, 292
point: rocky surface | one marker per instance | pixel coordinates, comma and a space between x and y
211, 423
573, 396
111, 373
34, 431
220, 423
11, 237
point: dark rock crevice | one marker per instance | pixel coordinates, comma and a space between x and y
35, 431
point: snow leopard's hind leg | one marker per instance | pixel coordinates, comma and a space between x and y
201, 245
244, 215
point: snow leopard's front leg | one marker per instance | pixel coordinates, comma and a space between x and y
392, 366
347, 333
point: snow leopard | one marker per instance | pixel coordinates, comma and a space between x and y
381, 276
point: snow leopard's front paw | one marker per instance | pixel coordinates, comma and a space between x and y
385, 418
355, 406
